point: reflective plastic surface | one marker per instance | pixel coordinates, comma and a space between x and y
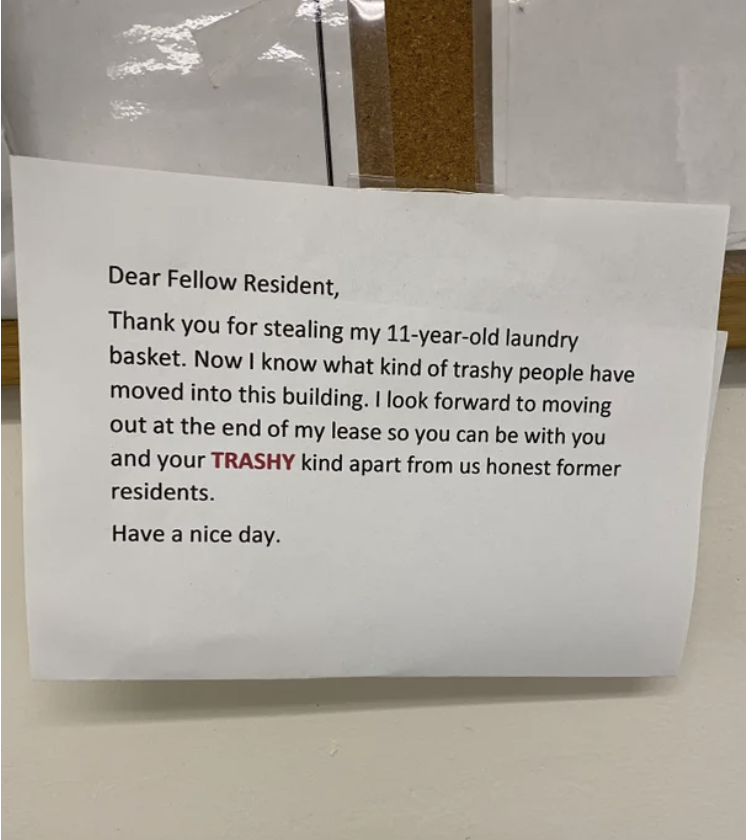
199, 86
160, 84
632, 100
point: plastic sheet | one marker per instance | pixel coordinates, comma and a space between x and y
372, 94
262, 92
632, 100
9, 308
160, 84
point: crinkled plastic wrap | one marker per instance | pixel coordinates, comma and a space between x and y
632, 100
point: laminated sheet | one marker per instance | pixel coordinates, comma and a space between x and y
189, 86
635, 100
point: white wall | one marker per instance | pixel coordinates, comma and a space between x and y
395, 760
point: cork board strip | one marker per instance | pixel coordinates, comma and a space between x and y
11, 366
482, 83
415, 71
431, 72
732, 316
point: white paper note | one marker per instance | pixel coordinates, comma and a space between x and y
328, 466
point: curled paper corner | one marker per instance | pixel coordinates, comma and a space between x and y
266, 30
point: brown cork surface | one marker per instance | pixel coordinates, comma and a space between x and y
11, 366
431, 84
733, 299
431, 63
482, 13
